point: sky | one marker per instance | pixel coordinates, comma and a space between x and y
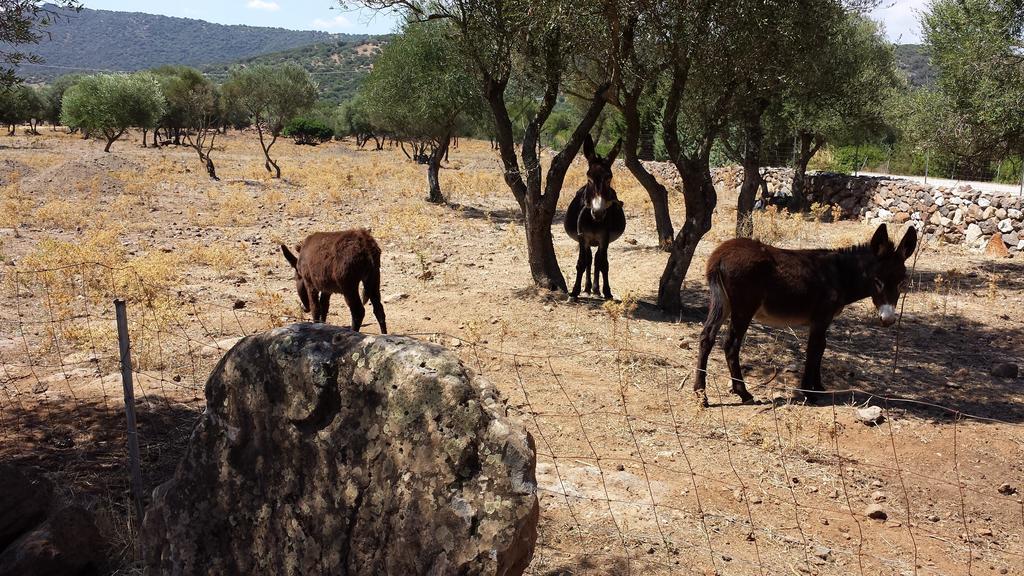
900, 17
325, 15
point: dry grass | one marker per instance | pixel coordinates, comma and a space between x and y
198, 262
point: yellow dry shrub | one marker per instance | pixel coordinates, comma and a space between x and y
15, 207
222, 258
63, 214
236, 208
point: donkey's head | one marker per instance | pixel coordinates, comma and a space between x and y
300, 284
889, 271
599, 194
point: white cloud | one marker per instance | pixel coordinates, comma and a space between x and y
263, 5
901, 19
336, 22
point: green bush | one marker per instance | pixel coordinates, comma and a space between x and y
308, 131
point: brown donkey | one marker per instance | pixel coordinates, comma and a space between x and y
749, 280
335, 263
595, 218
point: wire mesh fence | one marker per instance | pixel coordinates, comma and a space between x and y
633, 476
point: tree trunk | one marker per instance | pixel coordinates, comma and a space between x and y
434, 167
701, 199
540, 249
111, 138
751, 182
655, 190
270, 165
809, 146
210, 168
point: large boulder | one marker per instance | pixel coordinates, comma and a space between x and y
326, 451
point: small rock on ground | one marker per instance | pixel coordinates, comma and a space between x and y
875, 512
1005, 370
870, 416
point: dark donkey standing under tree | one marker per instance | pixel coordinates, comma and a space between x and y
595, 218
336, 262
749, 280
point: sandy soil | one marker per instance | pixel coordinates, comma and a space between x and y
633, 476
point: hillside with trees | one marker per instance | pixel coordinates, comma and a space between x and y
338, 65
126, 41
913, 60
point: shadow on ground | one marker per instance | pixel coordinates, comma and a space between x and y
84, 444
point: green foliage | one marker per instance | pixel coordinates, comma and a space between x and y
271, 95
309, 131
351, 118
846, 89
915, 63
340, 66
420, 88
191, 97
112, 103
24, 22
976, 110
20, 105
53, 97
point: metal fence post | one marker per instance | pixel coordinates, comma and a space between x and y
129, 406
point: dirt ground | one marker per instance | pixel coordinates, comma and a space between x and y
634, 477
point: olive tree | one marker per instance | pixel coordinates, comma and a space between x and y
526, 50
978, 48
24, 22
271, 96
842, 96
112, 103
53, 97
419, 91
21, 105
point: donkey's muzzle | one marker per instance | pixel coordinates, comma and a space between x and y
887, 314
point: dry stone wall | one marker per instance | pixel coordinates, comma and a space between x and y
958, 214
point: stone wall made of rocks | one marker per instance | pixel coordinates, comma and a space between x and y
958, 214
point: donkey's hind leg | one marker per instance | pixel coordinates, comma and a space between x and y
355, 306
325, 305
371, 289
733, 342
707, 342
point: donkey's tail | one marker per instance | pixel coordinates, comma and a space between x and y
718, 301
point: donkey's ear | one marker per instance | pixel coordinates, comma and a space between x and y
588, 148
880, 243
614, 152
908, 244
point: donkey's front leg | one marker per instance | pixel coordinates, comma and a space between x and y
811, 380
582, 264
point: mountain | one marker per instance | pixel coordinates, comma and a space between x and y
914, 61
338, 66
107, 40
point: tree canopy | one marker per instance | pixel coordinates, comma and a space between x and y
977, 47
271, 96
420, 90
24, 22
112, 103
